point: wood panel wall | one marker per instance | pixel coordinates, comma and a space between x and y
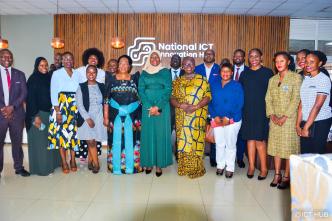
226, 32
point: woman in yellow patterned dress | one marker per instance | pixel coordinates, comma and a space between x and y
191, 94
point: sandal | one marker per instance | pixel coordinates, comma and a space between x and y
65, 168
96, 169
90, 166
73, 166
277, 178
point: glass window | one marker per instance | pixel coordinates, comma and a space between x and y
296, 45
325, 46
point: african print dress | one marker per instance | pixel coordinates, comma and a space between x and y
190, 128
63, 135
123, 154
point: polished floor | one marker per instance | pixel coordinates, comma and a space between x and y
86, 196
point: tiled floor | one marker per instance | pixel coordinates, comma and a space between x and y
86, 196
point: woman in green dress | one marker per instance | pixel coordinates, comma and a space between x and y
41, 161
154, 89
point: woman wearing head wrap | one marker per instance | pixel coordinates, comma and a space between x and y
42, 161
154, 88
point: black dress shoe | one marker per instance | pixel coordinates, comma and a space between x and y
229, 174
262, 177
220, 172
241, 164
158, 174
22, 172
213, 163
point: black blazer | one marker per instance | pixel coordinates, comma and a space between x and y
181, 72
85, 96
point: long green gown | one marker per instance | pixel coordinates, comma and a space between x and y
155, 90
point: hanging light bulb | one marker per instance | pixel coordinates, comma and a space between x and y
57, 42
117, 42
3, 42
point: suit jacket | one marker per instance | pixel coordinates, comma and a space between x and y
17, 94
181, 72
214, 75
245, 69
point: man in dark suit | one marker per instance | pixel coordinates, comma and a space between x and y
211, 71
176, 72
13, 92
239, 68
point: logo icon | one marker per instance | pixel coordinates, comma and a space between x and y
141, 49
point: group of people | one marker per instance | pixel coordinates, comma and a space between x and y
249, 108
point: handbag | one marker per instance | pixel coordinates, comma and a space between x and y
311, 129
209, 134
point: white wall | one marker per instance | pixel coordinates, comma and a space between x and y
29, 36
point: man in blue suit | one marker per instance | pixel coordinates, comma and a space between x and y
211, 71
239, 68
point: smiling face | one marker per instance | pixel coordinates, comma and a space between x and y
68, 61
112, 66
188, 65
226, 74
238, 58
282, 63
312, 64
209, 56
124, 66
255, 59
154, 59
175, 61
93, 60
57, 60
91, 74
300, 60
43, 67
6, 59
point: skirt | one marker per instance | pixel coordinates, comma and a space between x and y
64, 135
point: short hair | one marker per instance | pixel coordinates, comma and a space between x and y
304, 50
67, 52
96, 52
257, 50
189, 58
241, 51
130, 61
224, 60
6, 50
112, 60
227, 65
92, 66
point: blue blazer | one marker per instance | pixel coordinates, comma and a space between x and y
214, 75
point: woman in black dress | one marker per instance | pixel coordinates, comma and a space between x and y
255, 124
122, 115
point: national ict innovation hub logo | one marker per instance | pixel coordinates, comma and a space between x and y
143, 46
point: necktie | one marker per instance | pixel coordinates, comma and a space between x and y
175, 74
8, 78
237, 74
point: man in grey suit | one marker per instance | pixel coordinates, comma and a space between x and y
13, 92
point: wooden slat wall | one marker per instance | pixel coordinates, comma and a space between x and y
227, 32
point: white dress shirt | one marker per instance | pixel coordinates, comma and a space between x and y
175, 73
5, 83
241, 69
208, 71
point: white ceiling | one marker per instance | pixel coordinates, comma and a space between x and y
292, 8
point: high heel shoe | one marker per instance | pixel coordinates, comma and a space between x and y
65, 168
148, 171
277, 177
96, 169
262, 177
285, 183
250, 176
158, 174
73, 166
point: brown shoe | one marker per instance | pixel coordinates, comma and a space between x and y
73, 166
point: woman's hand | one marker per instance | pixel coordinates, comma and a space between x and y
274, 118
37, 122
298, 130
282, 120
106, 122
90, 123
154, 111
59, 118
217, 120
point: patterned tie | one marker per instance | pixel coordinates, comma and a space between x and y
237, 75
175, 74
8, 78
